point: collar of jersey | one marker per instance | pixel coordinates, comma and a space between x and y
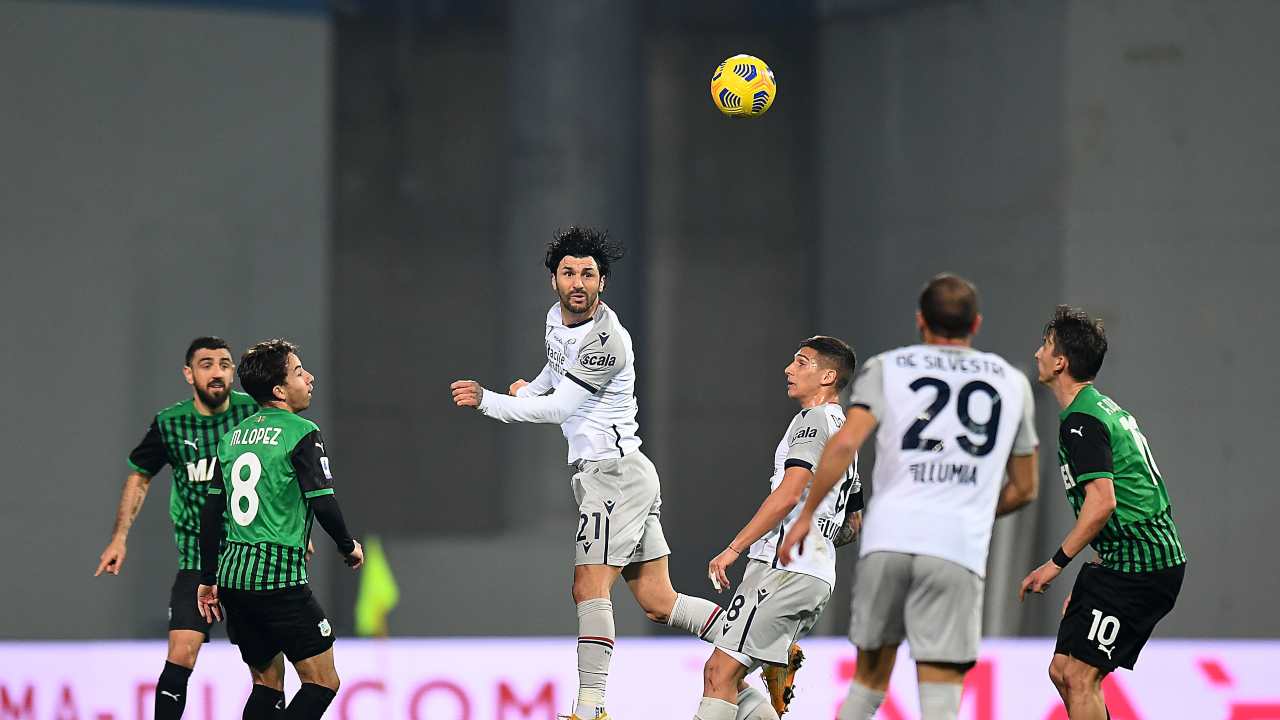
1089, 390
554, 316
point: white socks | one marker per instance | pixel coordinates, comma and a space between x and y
861, 704
696, 616
713, 709
595, 650
753, 705
940, 701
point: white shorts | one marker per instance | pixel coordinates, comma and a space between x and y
935, 604
619, 510
771, 610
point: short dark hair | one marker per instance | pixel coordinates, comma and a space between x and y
208, 342
836, 352
263, 367
578, 241
949, 304
1080, 339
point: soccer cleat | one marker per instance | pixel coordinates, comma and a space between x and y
781, 679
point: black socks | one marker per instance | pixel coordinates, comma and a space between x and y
171, 692
310, 702
264, 703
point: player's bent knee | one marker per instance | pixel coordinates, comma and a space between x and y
184, 650
718, 674
1081, 679
657, 616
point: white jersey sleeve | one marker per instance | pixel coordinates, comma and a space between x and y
541, 385
868, 388
1026, 441
553, 409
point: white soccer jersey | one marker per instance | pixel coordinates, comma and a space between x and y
802, 446
949, 418
598, 357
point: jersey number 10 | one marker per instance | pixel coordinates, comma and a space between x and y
988, 430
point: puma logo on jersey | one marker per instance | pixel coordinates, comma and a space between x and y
608, 506
176, 696
321, 446
1078, 431
1107, 649
192, 443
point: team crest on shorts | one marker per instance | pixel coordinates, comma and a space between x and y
325, 629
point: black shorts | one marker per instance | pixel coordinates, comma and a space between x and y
265, 623
1111, 614
183, 612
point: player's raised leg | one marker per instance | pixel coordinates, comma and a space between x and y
650, 583
591, 589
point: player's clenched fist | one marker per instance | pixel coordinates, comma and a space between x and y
466, 393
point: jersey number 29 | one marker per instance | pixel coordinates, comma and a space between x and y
988, 430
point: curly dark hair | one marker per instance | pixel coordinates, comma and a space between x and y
579, 241
263, 367
1080, 339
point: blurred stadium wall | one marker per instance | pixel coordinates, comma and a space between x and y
377, 180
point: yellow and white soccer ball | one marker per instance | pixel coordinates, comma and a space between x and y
743, 86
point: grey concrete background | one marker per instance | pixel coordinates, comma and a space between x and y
380, 183
165, 176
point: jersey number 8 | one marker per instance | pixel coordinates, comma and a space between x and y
245, 489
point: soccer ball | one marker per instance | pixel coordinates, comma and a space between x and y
743, 86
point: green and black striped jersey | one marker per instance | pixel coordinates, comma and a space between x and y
187, 442
1098, 439
271, 465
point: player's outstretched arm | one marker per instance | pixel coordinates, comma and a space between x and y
131, 499
541, 385
1099, 504
552, 409
771, 512
1022, 486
